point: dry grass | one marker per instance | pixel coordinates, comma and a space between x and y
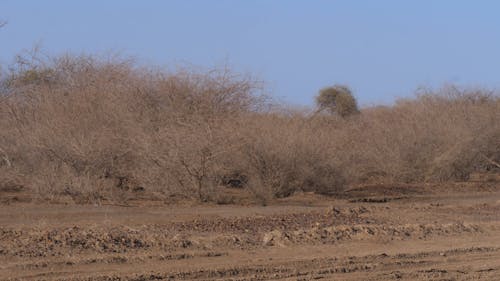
97, 129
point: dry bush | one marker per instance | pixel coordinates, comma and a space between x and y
442, 135
283, 154
106, 125
95, 129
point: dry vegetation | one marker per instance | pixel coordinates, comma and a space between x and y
96, 129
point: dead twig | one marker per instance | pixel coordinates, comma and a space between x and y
491, 161
5, 158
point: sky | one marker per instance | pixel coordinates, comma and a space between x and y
383, 50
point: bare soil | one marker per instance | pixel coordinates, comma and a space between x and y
378, 232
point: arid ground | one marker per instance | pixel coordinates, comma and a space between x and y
378, 232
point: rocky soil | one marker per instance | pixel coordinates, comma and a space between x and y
428, 232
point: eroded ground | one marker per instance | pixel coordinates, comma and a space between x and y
431, 232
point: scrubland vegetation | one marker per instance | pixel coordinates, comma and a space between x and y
95, 129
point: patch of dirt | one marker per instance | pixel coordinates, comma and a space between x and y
377, 233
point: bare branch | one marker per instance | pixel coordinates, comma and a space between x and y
5, 158
491, 161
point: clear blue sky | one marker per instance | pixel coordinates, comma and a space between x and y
381, 49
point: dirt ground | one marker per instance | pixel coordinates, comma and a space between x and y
379, 232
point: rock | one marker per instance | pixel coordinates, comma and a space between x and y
273, 238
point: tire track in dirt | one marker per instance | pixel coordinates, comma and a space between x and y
415, 266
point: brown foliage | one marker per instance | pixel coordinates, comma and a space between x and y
97, 129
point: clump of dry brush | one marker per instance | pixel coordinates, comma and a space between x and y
94, 128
